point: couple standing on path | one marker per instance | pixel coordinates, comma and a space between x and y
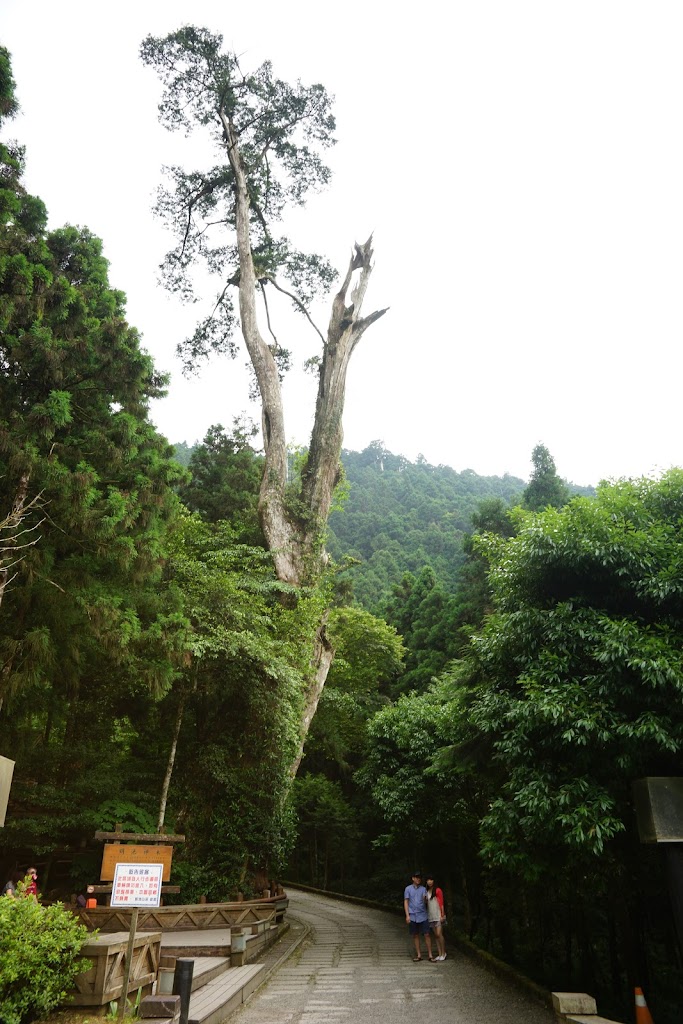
425, 914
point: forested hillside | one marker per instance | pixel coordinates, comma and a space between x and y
401, 516
392, 516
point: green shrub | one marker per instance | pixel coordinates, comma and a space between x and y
39, 957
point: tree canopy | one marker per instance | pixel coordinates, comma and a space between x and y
545, 487
267, 132
225, 476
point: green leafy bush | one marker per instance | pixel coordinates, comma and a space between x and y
131, 817
39, 957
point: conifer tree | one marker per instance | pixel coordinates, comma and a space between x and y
545, 488
82, 639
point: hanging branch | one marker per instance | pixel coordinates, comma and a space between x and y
13, 545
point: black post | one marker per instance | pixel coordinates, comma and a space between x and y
674, 868
182, 985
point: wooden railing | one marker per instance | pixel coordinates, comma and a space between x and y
194, 916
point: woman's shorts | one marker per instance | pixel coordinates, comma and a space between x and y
419, 927
434, 925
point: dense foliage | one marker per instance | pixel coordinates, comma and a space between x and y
225, 473
39, 957
238, 700
583, 667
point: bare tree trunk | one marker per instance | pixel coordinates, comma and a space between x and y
296, 542
279, 532
345, 329
171, 761
323, 654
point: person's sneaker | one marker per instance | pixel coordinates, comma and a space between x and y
439, 958
444, 956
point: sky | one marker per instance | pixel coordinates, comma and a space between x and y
519, 164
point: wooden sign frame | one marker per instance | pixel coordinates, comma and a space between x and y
116, 853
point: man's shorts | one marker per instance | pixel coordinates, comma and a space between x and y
419, 927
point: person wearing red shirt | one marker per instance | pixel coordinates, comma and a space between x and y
31, 887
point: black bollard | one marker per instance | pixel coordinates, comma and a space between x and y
182, 985
674, 865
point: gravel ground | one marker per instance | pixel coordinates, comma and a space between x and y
357, 963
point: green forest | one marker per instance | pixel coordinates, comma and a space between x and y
460, 672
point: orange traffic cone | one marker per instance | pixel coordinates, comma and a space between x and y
643, 1015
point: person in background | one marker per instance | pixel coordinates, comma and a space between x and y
437, 915
415, 906
10, 888
31, 887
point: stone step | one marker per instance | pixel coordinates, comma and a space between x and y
206, 968
162, 1006
208, 946
211, 1003
588, 1018
210, 942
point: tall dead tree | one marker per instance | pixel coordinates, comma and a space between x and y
269, 135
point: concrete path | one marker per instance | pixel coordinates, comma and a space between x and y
356, 966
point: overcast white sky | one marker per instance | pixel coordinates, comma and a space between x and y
520, 164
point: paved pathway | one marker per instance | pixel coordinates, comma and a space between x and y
356, 967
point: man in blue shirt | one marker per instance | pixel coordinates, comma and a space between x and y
417, 918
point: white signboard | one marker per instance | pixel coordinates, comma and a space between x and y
6, 772
137, 885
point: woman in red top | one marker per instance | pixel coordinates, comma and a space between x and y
437, 915
31, 888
